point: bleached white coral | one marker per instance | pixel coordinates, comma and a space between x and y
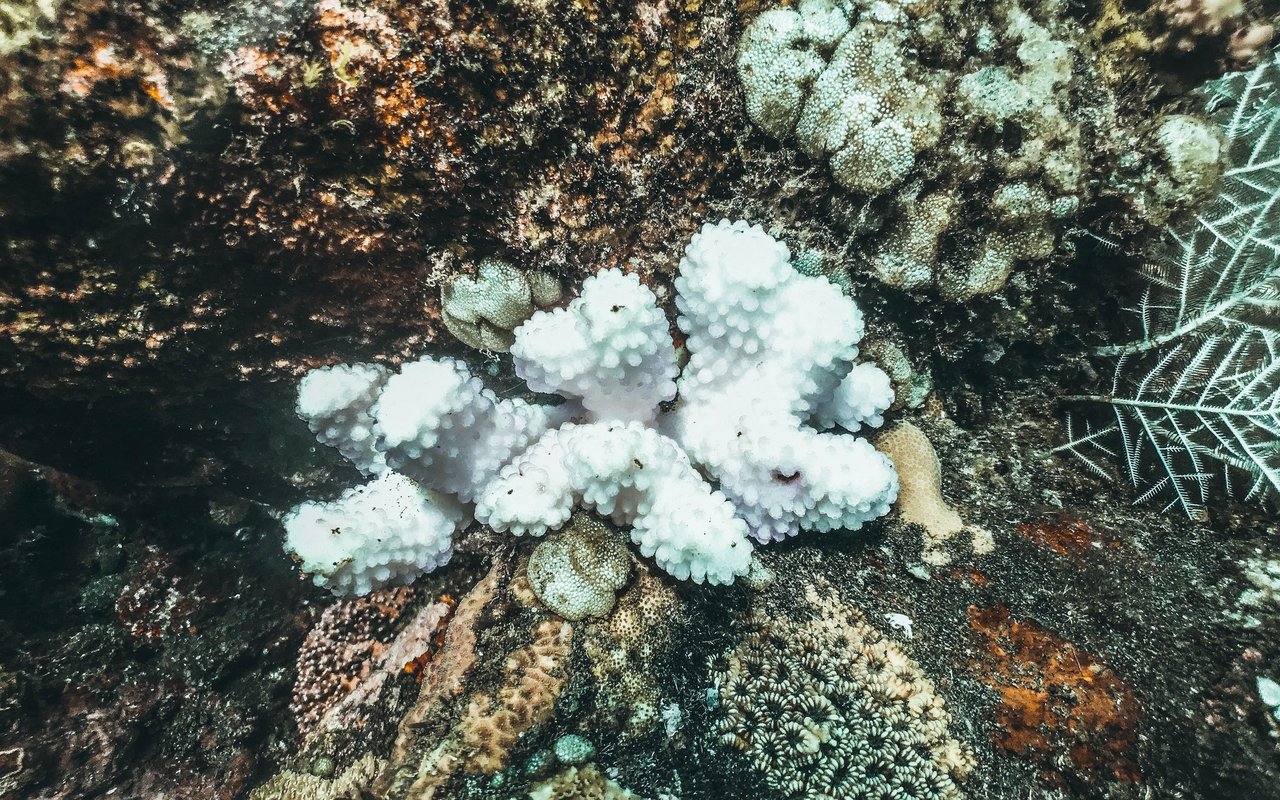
610, 349
771, 350
773, 355
335, 402
633, 475
439, 425
388, 531
860, 399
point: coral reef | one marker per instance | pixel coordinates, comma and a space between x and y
258, 187
427, 751
771, 349
870, 108
508, 84
638, 632
387, 531
202, 201
573, 749
969, 134
290, 785
1196, 396
831, 708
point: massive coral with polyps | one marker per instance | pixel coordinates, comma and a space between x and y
962, 132
772, 370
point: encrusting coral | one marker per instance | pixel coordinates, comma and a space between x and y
580, 783
637, 632
831, 709
772, 354
340, 646
535, 676
483, 309
351, 655
290, 785
920, 500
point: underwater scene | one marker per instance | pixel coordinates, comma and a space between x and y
650, 399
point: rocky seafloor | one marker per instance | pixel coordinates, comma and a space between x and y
200, 201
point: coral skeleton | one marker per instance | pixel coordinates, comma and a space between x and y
772, 370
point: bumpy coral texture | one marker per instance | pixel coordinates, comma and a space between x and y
831, 709
579, 571
772, 368
580, 783
339, 648
483, 309
962, 139
388, 531
639, 631
535, 676
869, 106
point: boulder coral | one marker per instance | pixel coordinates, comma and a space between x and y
963, 138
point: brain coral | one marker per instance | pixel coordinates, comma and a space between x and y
831, 709
535, 676
961, 132
772, 369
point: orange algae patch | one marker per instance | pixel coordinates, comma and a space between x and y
1067, 536
1059, 706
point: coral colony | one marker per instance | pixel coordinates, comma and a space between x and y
857, 84
771, 372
